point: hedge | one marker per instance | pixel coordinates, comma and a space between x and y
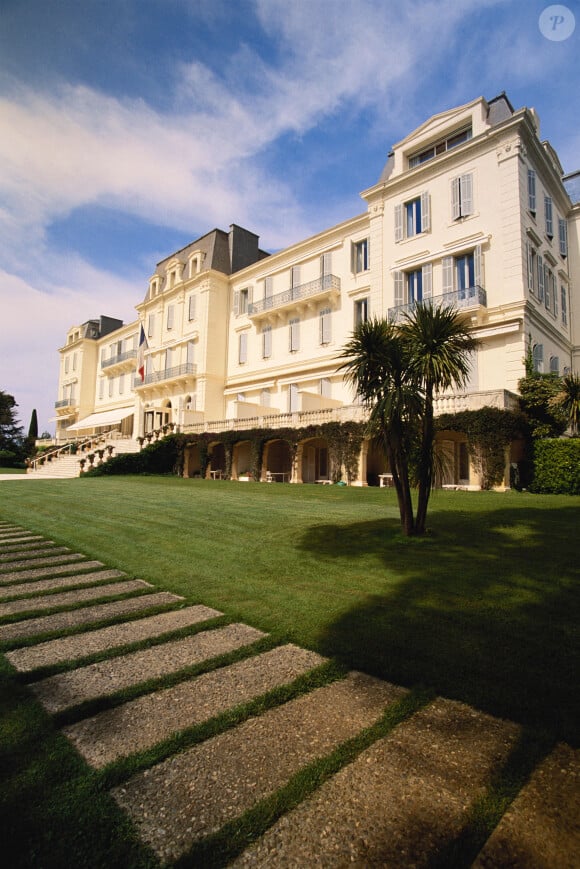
556, 466
158, 458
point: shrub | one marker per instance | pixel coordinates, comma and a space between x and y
158, 458
557, 467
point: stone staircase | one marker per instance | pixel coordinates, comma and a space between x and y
67, 465
397, 794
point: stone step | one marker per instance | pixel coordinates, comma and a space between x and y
142, 723
33, 551
85, 616
104, 678
93, 642
400, 802
41, 561
183, 799
38, 572
542, 827
77, 579
69, 598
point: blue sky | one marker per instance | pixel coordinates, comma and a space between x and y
130, 127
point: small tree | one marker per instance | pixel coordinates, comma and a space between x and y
33, 427
10, 431
538, 392
567, 401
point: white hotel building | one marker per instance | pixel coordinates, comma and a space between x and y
472, 207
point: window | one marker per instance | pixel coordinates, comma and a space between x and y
325, 326
325, 265
110, 387
190, 352
191, 308
532, 269
266, 342
293, 398
242, 348
440, 147
360, 256
265, 398
538, 358
412, 218
550, 299
168, 363
361, 311
294, 325
564, 305
413, 286
294, 277
242, 301
121, 384
463, 274
74, 362
554, 364
325, 387
101, 387
170, 316
563, 236
150, 325
548, 216
541, 283
532, 191
66, 364
462, 196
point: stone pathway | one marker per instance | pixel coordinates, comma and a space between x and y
399, 803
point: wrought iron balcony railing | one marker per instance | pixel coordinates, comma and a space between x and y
321, 286
65, 402
470, 297
187, 369
120, 357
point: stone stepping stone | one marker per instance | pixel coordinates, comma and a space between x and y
541, 828
141, 723
33, 551
92, 642
42, 561
28, 588
104, 678
85, 616
183, 799
401, 801
68, 598
39, 572
9, 539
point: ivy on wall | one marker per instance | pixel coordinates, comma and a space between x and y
489, 431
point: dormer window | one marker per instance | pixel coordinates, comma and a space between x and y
440, 147
153, 287
195, 263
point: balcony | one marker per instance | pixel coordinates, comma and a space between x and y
296, 419
468, 299
178, 372
323, 287
65, 402
122, 361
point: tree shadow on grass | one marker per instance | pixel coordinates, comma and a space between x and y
485, 610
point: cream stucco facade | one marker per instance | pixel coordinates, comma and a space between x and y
470, 208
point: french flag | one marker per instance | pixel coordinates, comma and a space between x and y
141, 354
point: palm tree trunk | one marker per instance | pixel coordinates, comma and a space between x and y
426, 463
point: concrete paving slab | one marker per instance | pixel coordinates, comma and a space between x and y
185, 798
16, 565
142, 723
69, 598
32, 551
104, 678
85, 616
39, 572
76, 579
23, 537
400, 801
542, 827
92, 642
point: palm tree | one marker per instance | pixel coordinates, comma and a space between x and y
439, 348
568, 399
378, 367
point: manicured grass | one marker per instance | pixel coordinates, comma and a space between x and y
484, 609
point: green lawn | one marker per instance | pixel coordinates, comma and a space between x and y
484, 609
